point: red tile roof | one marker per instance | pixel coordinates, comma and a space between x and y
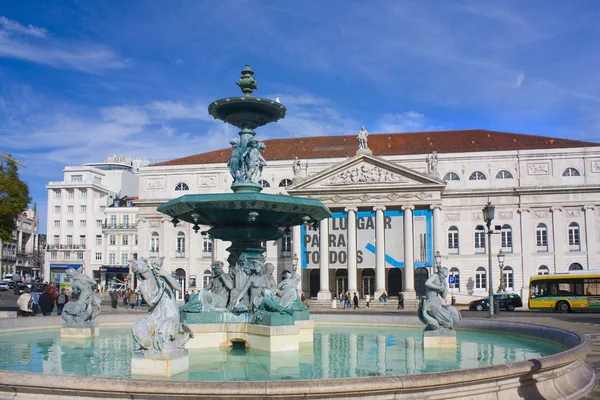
385, 144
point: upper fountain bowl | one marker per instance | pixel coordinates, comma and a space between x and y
246, 111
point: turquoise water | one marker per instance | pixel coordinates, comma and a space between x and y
337, 352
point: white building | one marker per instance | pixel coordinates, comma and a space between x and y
418, 193
77, 219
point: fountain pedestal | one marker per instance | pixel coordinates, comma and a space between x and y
79, 332
166, 365
439, 339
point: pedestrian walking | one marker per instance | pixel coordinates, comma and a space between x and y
114, 298
138, 299
46, 302
25, 303
400, 300
368, 301
61, 300
355, 301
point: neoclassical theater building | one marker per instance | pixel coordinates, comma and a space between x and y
395, 204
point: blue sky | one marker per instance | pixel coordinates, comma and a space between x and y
81, 80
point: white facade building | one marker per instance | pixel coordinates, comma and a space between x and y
77, 218
418, 193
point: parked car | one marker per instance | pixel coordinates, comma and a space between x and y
11, 284
4, 286
507, 301
19, 288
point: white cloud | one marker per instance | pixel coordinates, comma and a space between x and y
11, 26
408, 121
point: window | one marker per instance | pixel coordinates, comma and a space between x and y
53, 255
453, 240
154, 242
76, 178
543, 270
480, 278
506, 238
56, 240
479, 239
135, 240
180, 245
57, 194
113, 221
124, 257
504, 174
477, 176
56, 223
508, 275
97, 180
70, 240
264, 183
182, 186
574, 243
79, 256
285, 182
591, 287
56, 209
98, 240
541, 237
112, 240
286, 246
82, 223
206, 278
111, 258
98, 256
70, 209
125, 221
571, 172
125, 240
451, 176
70, 193
82, 241
206, 245
456, 274
129, 203
83, 193
83, 209
99, 223
67, 255
69, 223
575, 267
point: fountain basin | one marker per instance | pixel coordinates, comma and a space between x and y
562, 375
246, 111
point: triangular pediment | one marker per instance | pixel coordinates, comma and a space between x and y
365, 172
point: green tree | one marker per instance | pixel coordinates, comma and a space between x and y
14, 197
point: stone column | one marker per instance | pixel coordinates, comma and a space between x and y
297, 252
437, 229
409, 260
590, 236
352, 275
528, 246
324, 293
559, 239
379, 252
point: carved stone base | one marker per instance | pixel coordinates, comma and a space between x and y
79, 333
439, 340
159, 367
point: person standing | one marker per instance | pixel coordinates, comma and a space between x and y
61, 300
25, 303
368, 300
46, 302
138, 299
114, 298
400, 300
355, 301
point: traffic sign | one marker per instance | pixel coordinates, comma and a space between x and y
451, 280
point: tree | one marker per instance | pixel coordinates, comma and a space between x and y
14, 197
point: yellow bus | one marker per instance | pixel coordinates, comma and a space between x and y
574, 290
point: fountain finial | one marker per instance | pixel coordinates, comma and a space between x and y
247, 82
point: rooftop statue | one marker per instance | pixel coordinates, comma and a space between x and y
81, 312
434, 314
432, 162
160, 334
362, 138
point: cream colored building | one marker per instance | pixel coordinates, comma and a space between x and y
397, 204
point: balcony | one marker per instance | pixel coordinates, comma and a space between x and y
119, 226
54, 247
180, 254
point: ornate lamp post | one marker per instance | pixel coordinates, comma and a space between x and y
438, 259
488, 217
502, 286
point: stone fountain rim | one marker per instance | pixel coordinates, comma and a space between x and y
559, 372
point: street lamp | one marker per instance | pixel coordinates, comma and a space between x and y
488, 217
501, 265
438, 259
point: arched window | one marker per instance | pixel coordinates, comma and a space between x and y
575, 267
285, 183
477, 176
479, 239
506, 238
264, 183
182, 186
154, 242
504, 174
451, 176
543, 270
571, 172
206, 246
180, 245
206, 278
453, 240
574, 242
509, 281
541, 237
456, 274
480, 278
179, 275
